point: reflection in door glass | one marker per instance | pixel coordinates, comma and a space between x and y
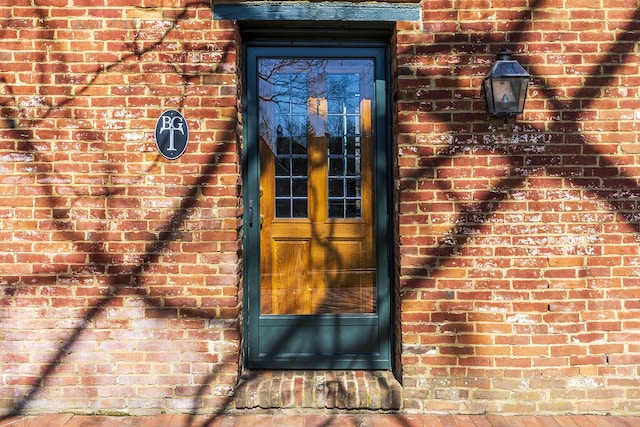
289, 101
316, 143
292, 93
343, 92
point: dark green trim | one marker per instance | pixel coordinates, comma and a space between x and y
251, 190
317, 11
317, 32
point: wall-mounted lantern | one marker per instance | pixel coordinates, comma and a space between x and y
505, 86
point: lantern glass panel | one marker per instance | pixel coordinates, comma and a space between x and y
505, 87
506, 94
520, 89
488, 93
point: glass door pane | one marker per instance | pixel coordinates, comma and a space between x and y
316, 186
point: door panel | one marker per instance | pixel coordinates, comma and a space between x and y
313, 127
290, 268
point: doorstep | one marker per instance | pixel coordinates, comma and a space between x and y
365, 390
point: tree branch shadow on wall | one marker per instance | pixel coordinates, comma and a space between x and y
473, 218
616, 188
580, 163
120, 279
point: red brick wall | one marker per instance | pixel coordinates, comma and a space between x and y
518, 258
119, 269
519, 261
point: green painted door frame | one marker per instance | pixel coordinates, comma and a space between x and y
322, 341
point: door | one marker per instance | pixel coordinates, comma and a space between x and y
316, 224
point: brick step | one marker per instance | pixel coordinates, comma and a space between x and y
371, 390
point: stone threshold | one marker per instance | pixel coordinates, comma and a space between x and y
364, 390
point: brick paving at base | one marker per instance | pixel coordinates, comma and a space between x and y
323, 420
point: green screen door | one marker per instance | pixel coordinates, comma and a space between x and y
316, 208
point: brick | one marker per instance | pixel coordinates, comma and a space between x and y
517, 242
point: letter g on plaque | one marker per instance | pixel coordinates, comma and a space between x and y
172, 134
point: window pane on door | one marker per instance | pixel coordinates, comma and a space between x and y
291, 180
344, 98
286, 134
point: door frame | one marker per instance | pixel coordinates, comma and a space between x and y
382, 320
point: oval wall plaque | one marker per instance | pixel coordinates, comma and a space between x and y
172, 134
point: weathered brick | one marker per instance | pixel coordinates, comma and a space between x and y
517, 243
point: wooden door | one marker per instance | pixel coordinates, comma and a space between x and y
316, 241
318, 254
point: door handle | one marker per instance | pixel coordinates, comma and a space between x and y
250, 214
